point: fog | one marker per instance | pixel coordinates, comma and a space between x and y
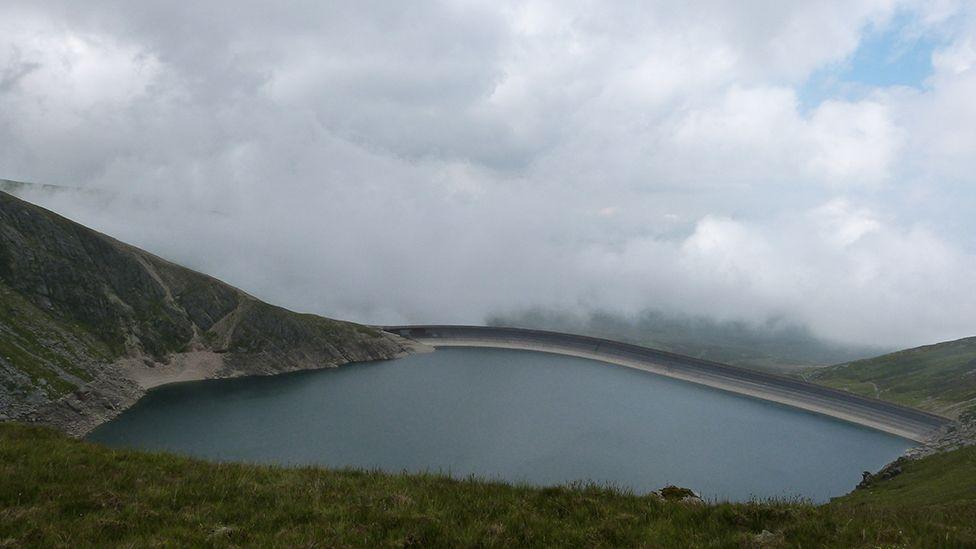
449, 161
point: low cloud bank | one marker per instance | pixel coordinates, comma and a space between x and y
837, 269
447, 161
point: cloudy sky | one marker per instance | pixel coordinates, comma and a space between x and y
442, 161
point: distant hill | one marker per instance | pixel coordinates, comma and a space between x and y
775, 346
88, 323
14, 187
940, 378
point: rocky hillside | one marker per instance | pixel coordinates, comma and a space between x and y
88, 323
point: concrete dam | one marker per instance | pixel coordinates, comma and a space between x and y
884, 416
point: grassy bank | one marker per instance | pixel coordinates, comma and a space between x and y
940, 378
56, 491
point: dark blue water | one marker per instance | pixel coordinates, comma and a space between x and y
512, 415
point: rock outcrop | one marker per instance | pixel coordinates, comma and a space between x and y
957, 434
88, 324
679, 494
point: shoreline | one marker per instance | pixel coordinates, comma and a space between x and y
124, 382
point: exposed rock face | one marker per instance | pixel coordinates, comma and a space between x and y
88, 323
769, 539
958, 434
889, 471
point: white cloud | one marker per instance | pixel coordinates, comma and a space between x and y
842, 225
855, 143
957, 58
438, 161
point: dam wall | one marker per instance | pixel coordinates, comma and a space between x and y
901, 421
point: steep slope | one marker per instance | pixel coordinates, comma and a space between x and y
88, 323
940, 378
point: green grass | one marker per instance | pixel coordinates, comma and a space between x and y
939, 378
946, 478
60, 492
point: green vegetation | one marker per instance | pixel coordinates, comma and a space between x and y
947, 479
263, 327
73, 301
774, 346
56, 491
27, 339
939, 378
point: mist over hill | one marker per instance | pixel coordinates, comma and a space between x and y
773, 345
393, 258
442, 162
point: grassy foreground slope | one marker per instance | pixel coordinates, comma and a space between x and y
940, 378
56, 491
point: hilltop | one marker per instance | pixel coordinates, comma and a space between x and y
89, 323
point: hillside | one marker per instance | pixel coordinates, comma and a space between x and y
61, 492
88, 323
940, 378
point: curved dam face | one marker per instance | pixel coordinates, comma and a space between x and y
884, 416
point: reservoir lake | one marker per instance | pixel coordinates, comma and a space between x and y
517, 416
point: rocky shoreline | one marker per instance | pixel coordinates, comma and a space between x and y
88, 324
120, 385
958, 434
953, 436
